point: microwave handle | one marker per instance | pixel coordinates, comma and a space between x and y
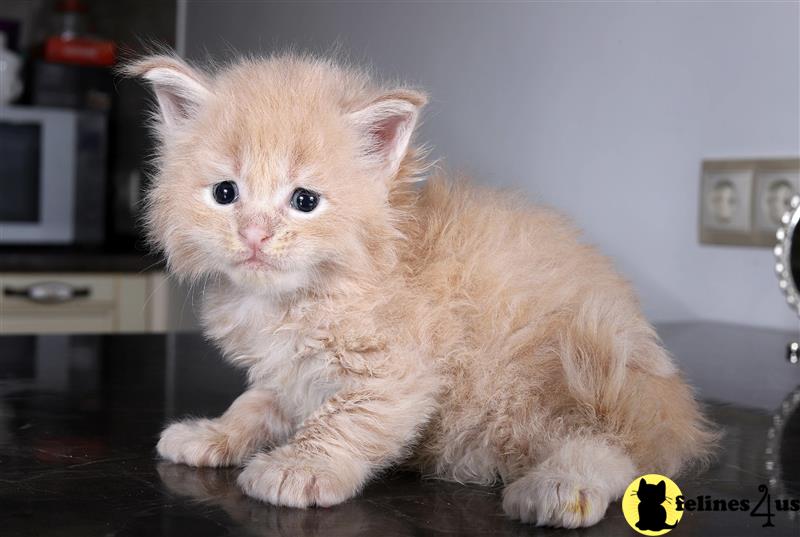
48, 292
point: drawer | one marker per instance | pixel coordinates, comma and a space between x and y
91, 292
73, 303
58, 321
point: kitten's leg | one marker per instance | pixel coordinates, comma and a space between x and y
254, 419
355, 434
573, 486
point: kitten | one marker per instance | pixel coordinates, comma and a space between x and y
449, 327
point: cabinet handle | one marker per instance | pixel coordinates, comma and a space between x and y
48, 292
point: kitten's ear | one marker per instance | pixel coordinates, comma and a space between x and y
386, 125
179, 88
642, 482
662, 487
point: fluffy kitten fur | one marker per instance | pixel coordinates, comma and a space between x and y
448, 327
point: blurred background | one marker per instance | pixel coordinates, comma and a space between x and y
670, 132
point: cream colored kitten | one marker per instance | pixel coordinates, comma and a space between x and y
452, 328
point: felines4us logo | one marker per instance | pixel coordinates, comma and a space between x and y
654, 505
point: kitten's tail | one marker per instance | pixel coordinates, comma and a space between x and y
627, 383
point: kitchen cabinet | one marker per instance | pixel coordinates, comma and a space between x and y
50, 303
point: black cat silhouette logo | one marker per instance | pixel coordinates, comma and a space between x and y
649, 504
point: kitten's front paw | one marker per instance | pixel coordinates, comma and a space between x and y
284, 477
554, 502
200, 443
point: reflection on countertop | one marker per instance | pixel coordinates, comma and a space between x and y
80, 415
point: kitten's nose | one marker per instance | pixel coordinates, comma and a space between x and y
254, 235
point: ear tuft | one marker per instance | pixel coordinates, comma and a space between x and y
179, 88
386, 126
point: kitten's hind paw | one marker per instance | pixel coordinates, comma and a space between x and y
573, 487
547, 502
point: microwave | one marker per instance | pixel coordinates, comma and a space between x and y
53, 174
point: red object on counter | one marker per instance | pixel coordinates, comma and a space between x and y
80, 50
72, 5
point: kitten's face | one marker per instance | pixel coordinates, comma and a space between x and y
237, 197
275, 174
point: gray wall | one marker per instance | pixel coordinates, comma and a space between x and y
602, 110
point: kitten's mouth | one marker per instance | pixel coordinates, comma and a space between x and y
255, 261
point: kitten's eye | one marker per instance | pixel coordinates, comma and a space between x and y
225, 192
304, 200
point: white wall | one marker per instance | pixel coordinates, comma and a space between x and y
602, 110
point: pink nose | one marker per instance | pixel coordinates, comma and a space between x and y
254, 235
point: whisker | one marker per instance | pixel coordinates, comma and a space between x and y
153, 292
151, 265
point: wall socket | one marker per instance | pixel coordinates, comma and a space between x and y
742, 201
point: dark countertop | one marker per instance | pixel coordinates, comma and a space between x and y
80, 415
108, 258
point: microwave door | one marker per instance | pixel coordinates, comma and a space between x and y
37, 168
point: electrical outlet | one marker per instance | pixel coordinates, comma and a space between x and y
773, 192
726, 200
725, 216
742, 201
